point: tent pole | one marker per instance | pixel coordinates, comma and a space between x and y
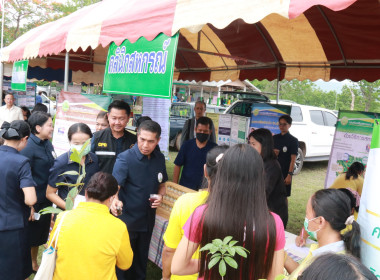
278, 84
66, 81
2, 45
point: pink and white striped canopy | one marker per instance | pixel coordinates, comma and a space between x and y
218, 39
116, 20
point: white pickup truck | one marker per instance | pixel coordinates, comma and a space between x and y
314, 128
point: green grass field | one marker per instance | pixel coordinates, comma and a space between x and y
311, 179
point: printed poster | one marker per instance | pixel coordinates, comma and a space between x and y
369, 211
239, 129
266, 116
73, 108
158, 109
351, 143
215, 119
224, 129
19, 74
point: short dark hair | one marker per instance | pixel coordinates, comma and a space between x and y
8, 93
150, 126
265, 138
204, 121
200, 102
38, 118
120, 105
101, 186
142, 119
337, 266
15, 130
79, 127
102, 115
39, 107
286, 118
355, 169
26, 109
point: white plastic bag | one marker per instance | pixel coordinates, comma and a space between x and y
49, 256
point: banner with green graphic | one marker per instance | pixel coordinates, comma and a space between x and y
143, 68
19, 74
352, 142
369, 211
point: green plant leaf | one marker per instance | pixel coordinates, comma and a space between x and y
213, 249
50, 210
75, 156
70, 198
232, 243
227, 239
216, 255
214, 261
68, 184
222, 268
280, 277
223, 249
231, 262
83, 148
217, 242
240, 251
72, 172
231, 250
207, 247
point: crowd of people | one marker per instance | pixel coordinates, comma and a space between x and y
241, 191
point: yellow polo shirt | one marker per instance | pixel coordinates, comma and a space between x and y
90, 243
182, 209
354, 184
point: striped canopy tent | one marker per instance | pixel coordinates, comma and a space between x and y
218, 39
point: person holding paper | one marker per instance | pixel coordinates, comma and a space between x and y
78, 134
328, 211
192, 156
10, 112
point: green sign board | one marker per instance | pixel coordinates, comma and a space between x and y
19, 72
143, 68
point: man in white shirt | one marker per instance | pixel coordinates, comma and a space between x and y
9, 112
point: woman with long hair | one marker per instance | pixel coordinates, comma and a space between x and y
17, 196
262, 140
235, 207
328, 211
183, 208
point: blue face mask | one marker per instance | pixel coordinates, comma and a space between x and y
312, 234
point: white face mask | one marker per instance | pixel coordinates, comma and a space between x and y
79, 147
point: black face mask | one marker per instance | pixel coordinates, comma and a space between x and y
203, 137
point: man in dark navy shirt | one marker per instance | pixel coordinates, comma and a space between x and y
192, 156
140, 172
115, 139
286, 149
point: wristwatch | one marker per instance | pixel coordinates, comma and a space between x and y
290, 173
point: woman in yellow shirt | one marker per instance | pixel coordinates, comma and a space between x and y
352, 179
91, 241
328, 211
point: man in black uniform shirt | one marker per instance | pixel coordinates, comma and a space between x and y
115, 139
286, 149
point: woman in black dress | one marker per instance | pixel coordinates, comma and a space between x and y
262, 140
17, 195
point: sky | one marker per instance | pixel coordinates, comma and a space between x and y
331, 85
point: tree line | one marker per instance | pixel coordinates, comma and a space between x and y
358, 96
